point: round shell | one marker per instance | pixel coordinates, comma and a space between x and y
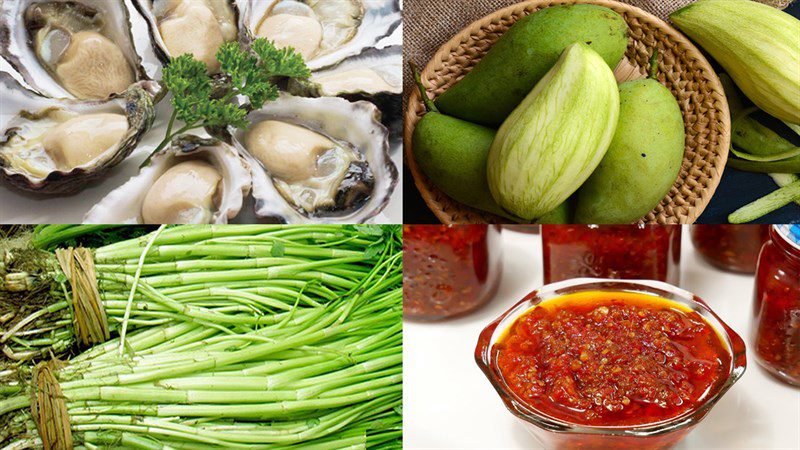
17, 43
124, 204
137, 104
370, 22
356, 123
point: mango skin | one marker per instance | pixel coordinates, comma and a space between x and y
643, 160
453, 153
553, 141
524, 54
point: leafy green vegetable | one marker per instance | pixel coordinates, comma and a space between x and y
200, 101
48, 237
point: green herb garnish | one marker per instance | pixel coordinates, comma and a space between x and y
199, 102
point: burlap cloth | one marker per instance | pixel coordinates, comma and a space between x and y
427, 24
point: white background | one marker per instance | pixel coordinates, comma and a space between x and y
449, 403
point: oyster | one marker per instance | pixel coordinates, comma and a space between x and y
375, 75
324, 32
57, 146
318, 160
194, 180
71, 49
198, 27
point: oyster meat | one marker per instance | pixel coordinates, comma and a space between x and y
80, 49
375, 75
194, 180
55, 147
373, 72
324, 32
198, 27
318, 160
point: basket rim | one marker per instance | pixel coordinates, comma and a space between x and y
428, 190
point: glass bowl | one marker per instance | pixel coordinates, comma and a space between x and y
558, 434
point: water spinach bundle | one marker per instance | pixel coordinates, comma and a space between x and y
247, 337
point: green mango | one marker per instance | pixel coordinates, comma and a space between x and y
524, 54
553, 141
452, 153
643, 160
561, 215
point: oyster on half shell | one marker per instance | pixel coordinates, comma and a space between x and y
198, 27
81, 49
324, 32
194, 180
375, 75
56, 146
317, 160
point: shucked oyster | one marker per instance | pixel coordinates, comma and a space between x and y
324, 32
318, 160
71, 49
375, 75
56, 147
373, 72
198, 27
194, 180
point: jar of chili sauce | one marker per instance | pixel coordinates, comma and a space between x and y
777, 304
449, 269
733, 248
646, 252
610, 364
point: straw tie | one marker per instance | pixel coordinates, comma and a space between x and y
89, 315
49, 408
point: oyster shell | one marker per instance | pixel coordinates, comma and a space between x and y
323, 31
375, 75
72, 48
317, 160
57, 146
195, 180
198, 27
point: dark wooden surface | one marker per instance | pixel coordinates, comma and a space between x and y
736, 189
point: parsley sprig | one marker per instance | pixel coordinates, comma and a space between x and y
200, 102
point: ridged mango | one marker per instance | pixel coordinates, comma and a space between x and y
552, 142
757, 44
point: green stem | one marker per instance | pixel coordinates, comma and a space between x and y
429, 105
166, 141
653, 72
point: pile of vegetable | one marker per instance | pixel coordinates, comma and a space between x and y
759, 46
251, 336
541, 131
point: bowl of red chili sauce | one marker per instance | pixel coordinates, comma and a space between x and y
610, 364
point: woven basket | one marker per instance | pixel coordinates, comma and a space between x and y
681, 67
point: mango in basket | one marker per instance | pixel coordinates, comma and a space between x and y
643, 160
452, 153
757, 44
522, 56
552, 142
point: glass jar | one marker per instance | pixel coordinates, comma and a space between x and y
556, 433
527, 228
645, 252
449, 269
730, 247
777, 304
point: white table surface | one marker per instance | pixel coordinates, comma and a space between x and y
449, 403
